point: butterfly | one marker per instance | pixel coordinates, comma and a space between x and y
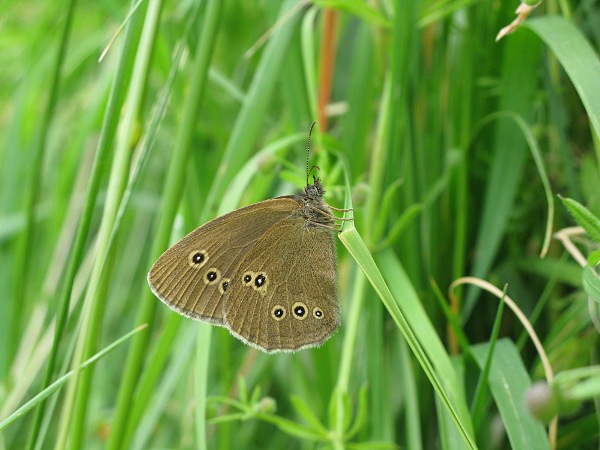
266, 272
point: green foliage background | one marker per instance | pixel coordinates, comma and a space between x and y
450, 147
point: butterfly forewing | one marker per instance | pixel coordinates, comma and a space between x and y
283, 296
195, 275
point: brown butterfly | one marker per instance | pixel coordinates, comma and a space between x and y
266, 272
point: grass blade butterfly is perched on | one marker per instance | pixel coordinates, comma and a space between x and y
266, 272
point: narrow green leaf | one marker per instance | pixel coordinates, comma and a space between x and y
122, 426
361, 413
357, 248
508, 381
255, 397
576, 56
292, 428
308, 415
43, 395
479, 396
593, 258
517, 87
583, 217
591, 283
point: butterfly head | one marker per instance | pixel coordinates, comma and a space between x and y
313, 209
314, 191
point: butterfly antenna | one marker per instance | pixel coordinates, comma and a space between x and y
308, 150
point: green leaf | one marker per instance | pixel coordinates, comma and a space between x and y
339, 409
308, 415
591, 283
576, 56
292, 428
593, 258
583, 217
62, 380
361, 413
243, 390
255, 397
479, 396
508, 381
357, 248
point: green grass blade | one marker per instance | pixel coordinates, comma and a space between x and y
508, 381
577, 57
517, 88
21, 264
95, 300
99, 169
353, 242
477, 409
43, 395
174, 187
248, 124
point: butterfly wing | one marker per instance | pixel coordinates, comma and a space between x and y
193, 277
284, 294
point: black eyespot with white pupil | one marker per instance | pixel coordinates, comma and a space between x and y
318, 313
197, 259
299, 310
225, 285
212, 276
278, 312
259, 280
247, 278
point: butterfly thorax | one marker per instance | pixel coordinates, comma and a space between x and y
313, 209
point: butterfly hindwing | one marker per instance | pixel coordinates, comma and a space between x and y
193, 277
283, 296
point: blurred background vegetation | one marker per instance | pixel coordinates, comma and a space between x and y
455, 147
